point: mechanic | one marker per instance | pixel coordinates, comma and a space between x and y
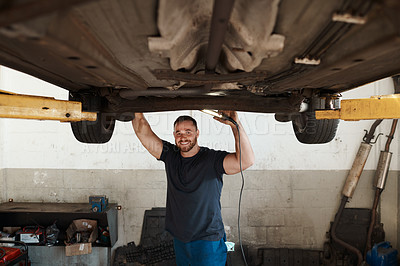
194, 183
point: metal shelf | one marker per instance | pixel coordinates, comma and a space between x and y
21, 214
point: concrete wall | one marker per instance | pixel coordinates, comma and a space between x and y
291, 193
279, 208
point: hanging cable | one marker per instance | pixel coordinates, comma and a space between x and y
240, 195
216, 114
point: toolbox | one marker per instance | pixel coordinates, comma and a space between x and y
9, 254
99, 203
13, 255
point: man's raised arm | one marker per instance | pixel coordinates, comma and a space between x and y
147, 137
232, 160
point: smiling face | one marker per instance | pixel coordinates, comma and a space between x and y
186, 135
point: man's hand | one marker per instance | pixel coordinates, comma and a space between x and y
233, 161
231, 114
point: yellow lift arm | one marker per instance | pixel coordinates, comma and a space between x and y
376, 107
42, 108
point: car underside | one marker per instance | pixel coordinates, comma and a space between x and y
287, 57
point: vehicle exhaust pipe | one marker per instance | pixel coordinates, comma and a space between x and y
162, 92
382, 170
219, 24
356, 170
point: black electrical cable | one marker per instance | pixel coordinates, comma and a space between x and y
213, 113
241, 192
241, 189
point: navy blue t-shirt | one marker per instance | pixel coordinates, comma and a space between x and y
193, 193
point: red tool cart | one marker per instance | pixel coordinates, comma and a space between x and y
15, 255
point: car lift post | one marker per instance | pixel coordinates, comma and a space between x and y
42, 108
376, 107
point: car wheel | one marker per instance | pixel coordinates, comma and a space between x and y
309, 130
99, 131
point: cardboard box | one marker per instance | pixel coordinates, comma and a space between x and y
11, 230
81, 225
78, 249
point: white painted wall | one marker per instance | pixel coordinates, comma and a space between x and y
48, 144
2, 130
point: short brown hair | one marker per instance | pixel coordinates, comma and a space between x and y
183, 118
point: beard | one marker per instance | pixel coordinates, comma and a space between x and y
188, 147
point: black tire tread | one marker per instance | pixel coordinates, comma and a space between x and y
317, 131
92, 131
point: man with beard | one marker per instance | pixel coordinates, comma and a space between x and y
194, 184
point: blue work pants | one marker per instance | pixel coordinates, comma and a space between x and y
200, 253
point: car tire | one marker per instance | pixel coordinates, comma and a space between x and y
99, 131
309, 130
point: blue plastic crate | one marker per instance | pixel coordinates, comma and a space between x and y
382, 254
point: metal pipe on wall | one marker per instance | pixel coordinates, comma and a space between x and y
356, 170
337, 239
381, 174
351, 184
